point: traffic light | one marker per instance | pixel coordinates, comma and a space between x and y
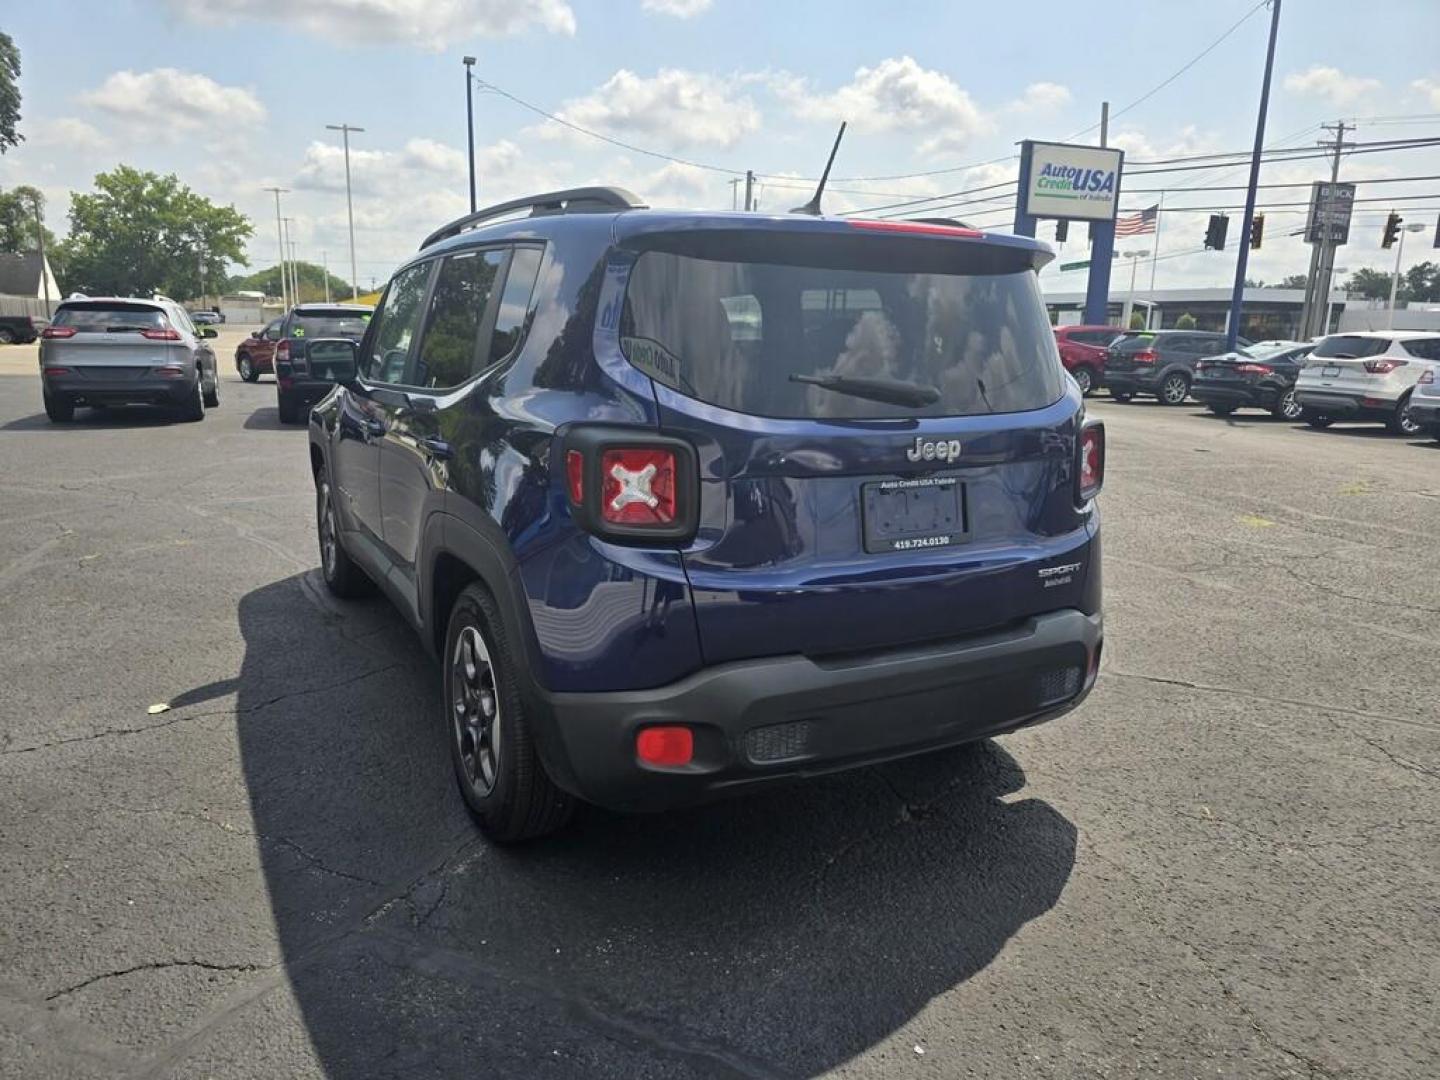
1392, 229
1062, 230
1257, 231
1215, 232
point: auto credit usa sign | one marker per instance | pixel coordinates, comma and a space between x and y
1074, 182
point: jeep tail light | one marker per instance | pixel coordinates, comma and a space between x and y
1254, 369
1427, 377
1091, 471
53, 332
668, 746
168, 333
282, 353
50, 372
1383, 365
627, 485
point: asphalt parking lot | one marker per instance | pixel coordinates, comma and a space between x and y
1225, 864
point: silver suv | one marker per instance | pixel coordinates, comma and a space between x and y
101, 351
1366, 376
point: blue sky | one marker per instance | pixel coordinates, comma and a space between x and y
234, 95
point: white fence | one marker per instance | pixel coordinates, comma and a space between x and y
24, 305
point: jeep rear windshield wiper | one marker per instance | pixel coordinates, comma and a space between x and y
890, 391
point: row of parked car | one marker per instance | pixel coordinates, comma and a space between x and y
1387, 377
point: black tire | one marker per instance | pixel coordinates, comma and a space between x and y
1085, 377
59, 408
514, 799
289, 414
1315, 420
1401, 422
193, 407
1121, 396
1287, 408
341, 574
1174, 389
7, 336
211, 396
1221, 410
246, 368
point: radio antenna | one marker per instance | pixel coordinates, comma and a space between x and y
813, 206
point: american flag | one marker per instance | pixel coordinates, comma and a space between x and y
1137, 224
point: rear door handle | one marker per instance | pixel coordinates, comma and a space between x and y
436, 448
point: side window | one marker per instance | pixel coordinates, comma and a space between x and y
395, 325
512, 316
1424, 348
272, 332
182, 321
457, 308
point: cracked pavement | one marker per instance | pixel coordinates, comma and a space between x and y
1225, 864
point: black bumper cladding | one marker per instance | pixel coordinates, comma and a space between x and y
762, 721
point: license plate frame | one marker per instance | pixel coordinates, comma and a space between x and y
913, 514
1330, 371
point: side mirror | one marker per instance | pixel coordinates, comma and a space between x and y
333, 359
257, 334
209, 332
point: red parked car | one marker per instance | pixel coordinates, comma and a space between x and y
1082, 351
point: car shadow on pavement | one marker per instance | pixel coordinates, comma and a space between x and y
779, 934
116, 416
267, 418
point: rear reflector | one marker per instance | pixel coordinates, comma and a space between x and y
169, 333
665, 746
1092, 460
918, 228
637, 486
53, 332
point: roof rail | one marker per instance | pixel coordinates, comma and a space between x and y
584, 200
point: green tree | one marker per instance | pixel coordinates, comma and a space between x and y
1294, 281
1421, 283
310, 277
17, 219
1186, 321
1137, 320
1371, 284
9, 94
141, 233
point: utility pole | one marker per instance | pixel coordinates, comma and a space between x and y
345, 130
749, 190
1237, 294
1322, 253
469, 63
325, 266
1102, 247
40, 244
290, 251
280, 238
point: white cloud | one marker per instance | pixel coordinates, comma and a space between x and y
430, 24
1430, 88
896, 94
681, 9
675, 107
1330, 83
1041, 97
168, 102
70, 133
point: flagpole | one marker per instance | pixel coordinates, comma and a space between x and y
1154, 258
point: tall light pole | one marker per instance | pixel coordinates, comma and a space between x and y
1395, 278
1325, 327
40, 245
345, 130
280, 238
325, 270
1134, 257
469, 63
290, 254
1237, 292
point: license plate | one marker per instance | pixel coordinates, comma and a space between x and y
1330, 371
913, 515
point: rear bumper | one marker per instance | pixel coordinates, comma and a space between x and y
1131, 382
1346, 405
95, 388
765, 721
1261, 397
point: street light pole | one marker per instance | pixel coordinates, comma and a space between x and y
1134, 257
280, 238
290, 254
1237, 293
325, 269
345, 130
1325, 328
40, 244
469, 63
1395, 277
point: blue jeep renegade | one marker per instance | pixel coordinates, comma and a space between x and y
688, 502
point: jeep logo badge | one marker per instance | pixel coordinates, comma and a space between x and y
936, 450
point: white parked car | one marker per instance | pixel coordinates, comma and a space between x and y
1367, 376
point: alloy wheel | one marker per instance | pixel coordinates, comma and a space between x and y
1406, 420
1082, 377
329, 533
1174, 390
475, 701
1290, 409
245, 368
